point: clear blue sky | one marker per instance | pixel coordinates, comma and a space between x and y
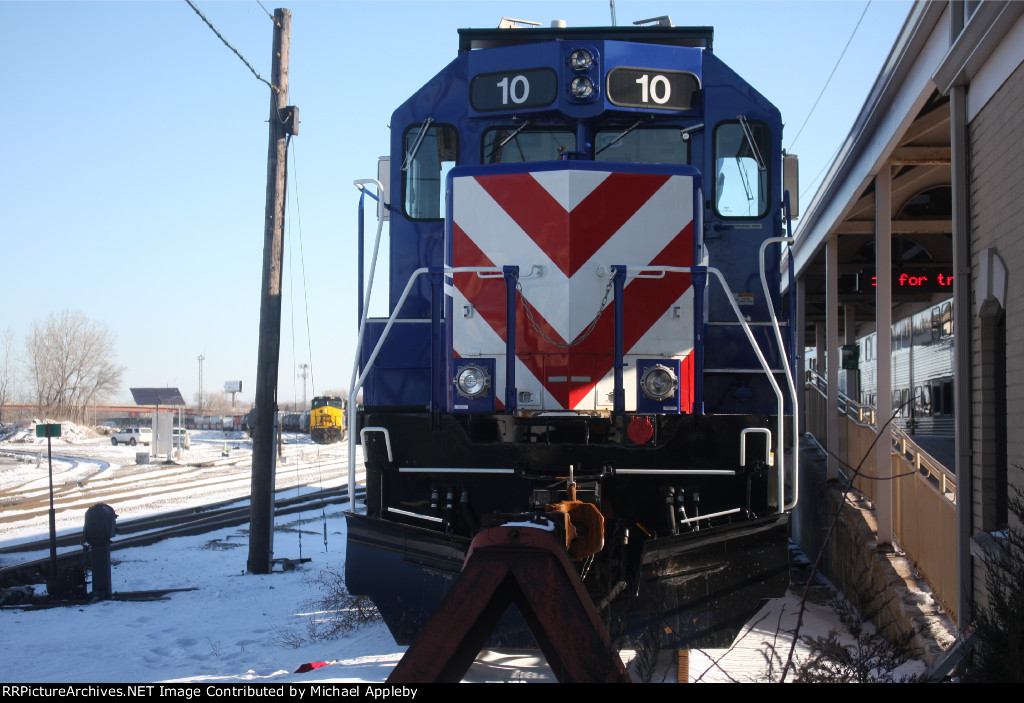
134, 175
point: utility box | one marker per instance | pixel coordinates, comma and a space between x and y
162, 433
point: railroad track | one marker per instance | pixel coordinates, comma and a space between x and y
128, 487
148, 530
209, 490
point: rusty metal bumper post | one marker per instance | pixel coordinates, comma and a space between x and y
525, 565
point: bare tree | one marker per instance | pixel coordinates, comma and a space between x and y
202, 401
71, 362
218, 401
7, 379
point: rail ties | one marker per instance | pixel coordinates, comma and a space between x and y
149, 530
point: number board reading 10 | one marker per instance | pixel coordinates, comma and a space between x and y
512, 90
664, 90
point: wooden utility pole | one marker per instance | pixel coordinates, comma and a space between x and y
283, 121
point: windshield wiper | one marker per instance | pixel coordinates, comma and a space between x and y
416, 145
509, 138
628, 130
750, 140
684, 133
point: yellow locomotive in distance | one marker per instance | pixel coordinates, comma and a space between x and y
327, 419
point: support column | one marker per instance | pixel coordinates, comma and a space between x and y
801, 343
963, 321
883, 313
833, 355
819, 347
819, 355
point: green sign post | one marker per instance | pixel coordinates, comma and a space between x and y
47, 430
51, 431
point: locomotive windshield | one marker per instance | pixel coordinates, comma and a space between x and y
652, 145
503, 145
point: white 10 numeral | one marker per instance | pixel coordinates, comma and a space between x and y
659, 89
519, 90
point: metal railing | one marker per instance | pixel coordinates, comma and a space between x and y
903, 445
923, 492
698, 273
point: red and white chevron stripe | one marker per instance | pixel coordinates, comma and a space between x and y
565, 229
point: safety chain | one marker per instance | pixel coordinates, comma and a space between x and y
582, 335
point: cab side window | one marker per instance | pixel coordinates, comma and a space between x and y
741, 177
430, 152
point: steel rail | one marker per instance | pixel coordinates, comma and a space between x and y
174, 524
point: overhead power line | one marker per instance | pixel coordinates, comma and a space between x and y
852, 34
228, 45
265, 9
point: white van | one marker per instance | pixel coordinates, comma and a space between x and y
182, 439
132, 436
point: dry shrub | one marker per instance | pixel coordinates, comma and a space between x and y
1000, 626
331, 614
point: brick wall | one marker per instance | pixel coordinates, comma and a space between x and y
997, 221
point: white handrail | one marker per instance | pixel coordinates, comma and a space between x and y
360, 183
789, 373
357, 384
780, 424
387, 440
743, 443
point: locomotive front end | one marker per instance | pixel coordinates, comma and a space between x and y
576, 235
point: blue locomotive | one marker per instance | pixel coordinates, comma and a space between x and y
584, 268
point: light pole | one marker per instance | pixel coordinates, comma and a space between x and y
200, 359
304, 374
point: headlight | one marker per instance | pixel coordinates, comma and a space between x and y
581, 60
659, 382
582, 88
472, 381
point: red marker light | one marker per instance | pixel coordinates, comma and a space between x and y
640, 430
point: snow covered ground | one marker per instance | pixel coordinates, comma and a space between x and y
87, 469
238, 627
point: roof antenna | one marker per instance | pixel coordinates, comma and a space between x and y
611, 3
663, 21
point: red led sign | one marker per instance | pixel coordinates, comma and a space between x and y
923, 279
